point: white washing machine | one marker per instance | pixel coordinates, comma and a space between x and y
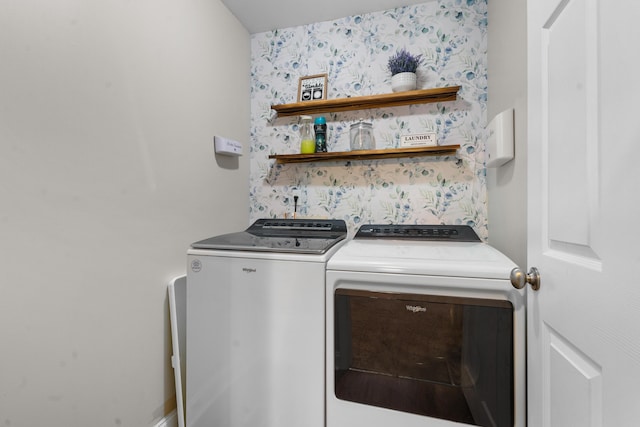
423, 329
255, 325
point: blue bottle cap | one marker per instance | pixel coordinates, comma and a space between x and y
320, 121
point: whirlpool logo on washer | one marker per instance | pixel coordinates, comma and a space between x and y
416, 308
196, 265
248, 270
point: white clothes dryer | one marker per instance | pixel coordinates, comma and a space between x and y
423, 329
255, 325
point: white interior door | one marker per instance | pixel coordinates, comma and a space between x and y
584, 212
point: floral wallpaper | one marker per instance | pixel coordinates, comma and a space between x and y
451, 35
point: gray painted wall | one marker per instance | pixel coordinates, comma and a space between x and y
507, 83
107, 174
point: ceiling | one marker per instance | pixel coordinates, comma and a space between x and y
266, 15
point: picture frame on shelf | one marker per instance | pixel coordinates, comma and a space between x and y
312, 88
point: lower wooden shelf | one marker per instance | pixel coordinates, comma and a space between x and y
389, 153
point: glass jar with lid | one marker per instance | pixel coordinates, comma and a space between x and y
361, 136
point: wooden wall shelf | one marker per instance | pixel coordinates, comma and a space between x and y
390, 153
424, 96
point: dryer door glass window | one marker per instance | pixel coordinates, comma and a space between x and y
443, 357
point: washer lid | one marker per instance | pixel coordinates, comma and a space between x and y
431, 258
281, 235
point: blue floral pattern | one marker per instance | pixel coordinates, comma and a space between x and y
452, 37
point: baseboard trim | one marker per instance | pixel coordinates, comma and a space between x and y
170, 420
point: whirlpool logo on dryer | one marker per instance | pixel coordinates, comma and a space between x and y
248, 270
415, 308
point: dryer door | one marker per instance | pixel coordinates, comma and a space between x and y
439, 356
407, 349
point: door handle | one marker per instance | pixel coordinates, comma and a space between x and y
519, 279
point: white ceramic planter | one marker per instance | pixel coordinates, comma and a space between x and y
403, 81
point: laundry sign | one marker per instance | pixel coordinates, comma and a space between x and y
418, 140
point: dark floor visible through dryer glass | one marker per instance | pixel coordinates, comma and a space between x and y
404, 394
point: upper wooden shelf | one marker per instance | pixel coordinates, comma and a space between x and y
389, 153
424, 96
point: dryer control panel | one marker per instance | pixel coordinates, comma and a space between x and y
459, 233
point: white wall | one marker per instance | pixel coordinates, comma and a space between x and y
507, 88
107, 173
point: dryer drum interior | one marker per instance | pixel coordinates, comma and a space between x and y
439, 356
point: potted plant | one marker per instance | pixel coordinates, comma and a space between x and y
403, 66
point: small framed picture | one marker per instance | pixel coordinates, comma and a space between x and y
312, 88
